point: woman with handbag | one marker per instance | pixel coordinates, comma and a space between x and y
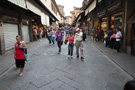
70, 38
19, 55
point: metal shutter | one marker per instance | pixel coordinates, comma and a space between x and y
26, 35
10, 33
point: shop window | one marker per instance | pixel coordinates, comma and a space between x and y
116, 21
104, 24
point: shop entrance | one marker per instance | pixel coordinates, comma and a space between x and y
133, 40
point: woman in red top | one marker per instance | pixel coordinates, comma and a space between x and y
70, 38
19, 55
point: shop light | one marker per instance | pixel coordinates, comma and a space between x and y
112, 18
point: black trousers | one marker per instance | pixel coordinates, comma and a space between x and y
117, 46
112, 43
59, 45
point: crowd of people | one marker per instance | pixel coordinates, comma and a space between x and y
110, 38
73, 37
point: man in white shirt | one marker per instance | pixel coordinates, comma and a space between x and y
78, 43
118, 39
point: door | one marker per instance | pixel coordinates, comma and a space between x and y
10, 33
133, 40
26, 35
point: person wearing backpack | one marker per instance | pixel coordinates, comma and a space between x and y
19, 55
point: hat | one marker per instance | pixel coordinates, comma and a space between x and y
77, 29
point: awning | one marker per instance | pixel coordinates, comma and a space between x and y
47, 20
91, 7
43, 18
20, 3
33, 8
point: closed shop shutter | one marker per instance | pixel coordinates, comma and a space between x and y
26, 35
10, 33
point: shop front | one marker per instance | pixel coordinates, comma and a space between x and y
104, 24
116, 21
130, 38
115, 17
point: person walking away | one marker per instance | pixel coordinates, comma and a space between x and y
59, 39
35, 33
50, 36
112, 41
78, 43
93, 34
118, 39
19, 55
102, 35
109, 33
84, 35
70, 38
53, 36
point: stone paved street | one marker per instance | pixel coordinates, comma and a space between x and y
48, 70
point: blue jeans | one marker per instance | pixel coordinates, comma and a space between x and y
70, 49
50, 39
53, 40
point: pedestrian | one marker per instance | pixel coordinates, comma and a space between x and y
84, 35
130, 85
59, 39
112, 41
101, 35
70, 38
19, 55
53, 36
35, 33
93, 34
78, 43
40, 34
109, 34
50, 36
118, 39
67, 31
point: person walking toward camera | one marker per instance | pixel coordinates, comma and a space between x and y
59, 39
19, 55
78, 43
70, 38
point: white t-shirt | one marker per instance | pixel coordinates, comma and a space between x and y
118, 36
35, 31
78, 37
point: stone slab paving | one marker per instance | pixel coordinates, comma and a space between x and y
48, 70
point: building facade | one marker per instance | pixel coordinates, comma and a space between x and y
111, 14
19, 17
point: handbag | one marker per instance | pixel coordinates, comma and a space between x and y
25, 52
66, 41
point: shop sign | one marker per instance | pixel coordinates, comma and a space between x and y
102, 13
33, 8
20, 3
115, 7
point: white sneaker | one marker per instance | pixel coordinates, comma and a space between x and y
68, 56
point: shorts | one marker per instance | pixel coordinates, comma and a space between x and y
20, 63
